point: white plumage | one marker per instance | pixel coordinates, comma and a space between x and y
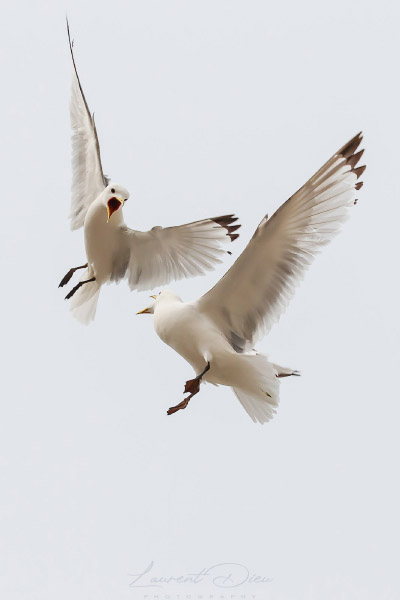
217, 333
146, 259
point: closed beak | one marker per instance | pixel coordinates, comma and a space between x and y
145, 311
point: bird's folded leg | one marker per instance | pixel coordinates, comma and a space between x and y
193, 387
76, 288
68, 276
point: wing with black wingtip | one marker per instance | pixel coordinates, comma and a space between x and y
255, 291
153, 258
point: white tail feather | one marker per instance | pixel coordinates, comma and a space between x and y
256, 386
83, 303
284, 371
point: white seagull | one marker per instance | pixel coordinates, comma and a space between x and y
146, 258
216, 334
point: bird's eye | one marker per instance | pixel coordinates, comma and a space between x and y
112, 191
125, 199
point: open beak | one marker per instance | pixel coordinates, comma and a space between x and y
112, 205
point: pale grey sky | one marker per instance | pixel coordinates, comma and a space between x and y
202, 108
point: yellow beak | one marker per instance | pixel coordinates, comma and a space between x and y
145, 311
154, 297
110, 211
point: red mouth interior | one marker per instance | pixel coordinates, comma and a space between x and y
113, 205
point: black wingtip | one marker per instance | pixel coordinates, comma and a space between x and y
349, 149
352, 157
226, 222
359, 171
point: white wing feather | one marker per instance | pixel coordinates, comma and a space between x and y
255, 291
156, 257
88, 180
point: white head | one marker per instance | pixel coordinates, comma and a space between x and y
115, 197
159, 299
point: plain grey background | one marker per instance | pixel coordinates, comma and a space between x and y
202, 108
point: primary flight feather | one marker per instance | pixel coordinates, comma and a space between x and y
217, 333
114, 251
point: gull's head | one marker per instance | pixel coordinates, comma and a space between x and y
115, 197
159, 299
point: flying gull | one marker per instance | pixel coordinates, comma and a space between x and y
113, 250
217, 333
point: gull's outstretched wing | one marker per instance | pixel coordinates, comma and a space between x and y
156, 257
255, 291
88, 179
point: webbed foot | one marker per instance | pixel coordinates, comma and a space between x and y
192, 386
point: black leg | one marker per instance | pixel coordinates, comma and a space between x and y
76, 288
68, 276
193, 387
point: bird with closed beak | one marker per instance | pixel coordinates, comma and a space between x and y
217, 333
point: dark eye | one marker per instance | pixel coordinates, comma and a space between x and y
112, 191
125, 199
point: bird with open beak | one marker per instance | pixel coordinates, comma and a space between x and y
113, 250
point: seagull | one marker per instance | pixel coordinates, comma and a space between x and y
113, 250
217, 333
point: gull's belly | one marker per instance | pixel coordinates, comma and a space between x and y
101, 241
183, 329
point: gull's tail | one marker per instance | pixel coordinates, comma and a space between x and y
83, 303
256, 386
